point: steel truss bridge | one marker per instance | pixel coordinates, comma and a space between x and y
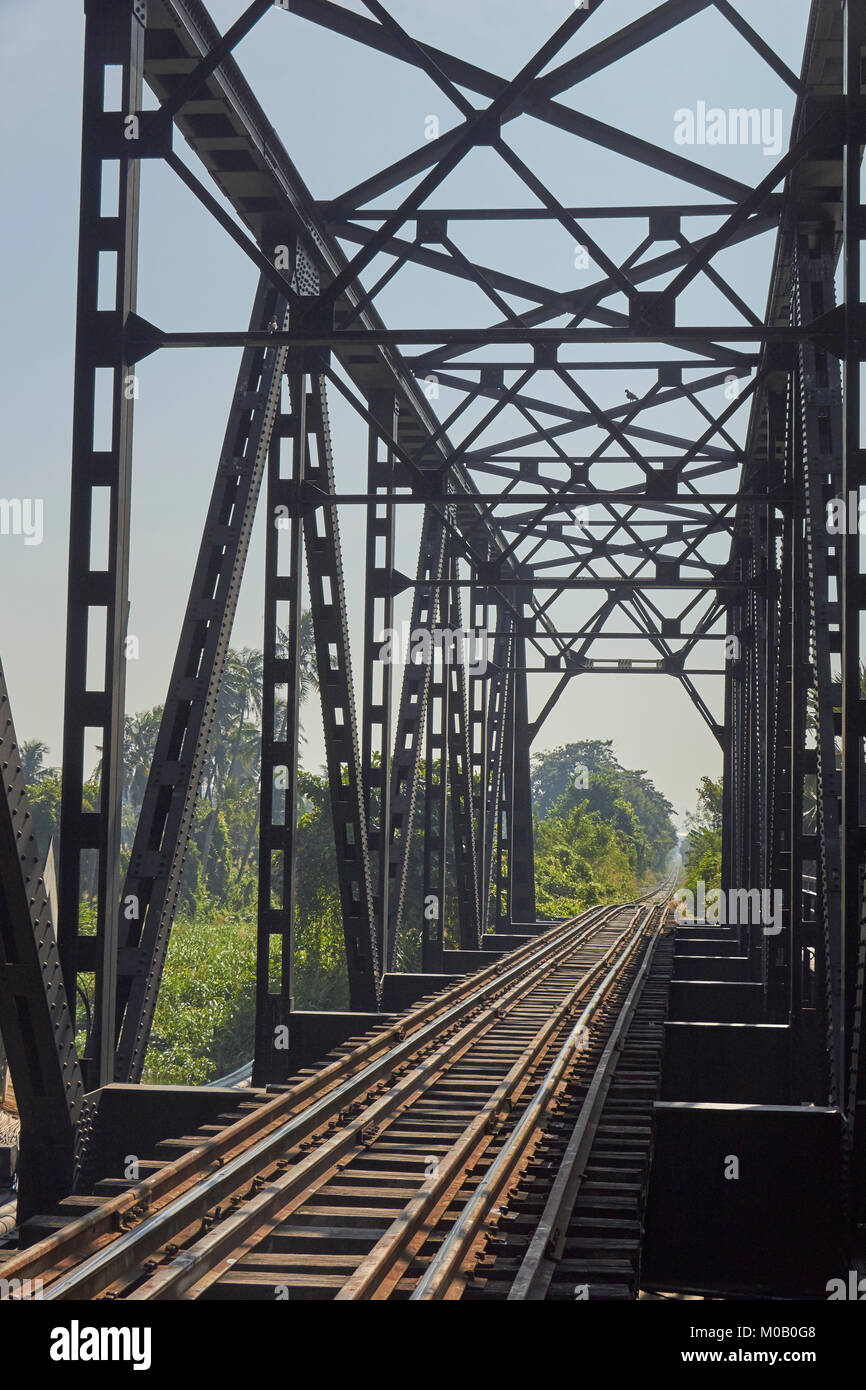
536, 492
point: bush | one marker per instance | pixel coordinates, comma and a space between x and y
205, 1012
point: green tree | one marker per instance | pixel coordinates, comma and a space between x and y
44, 797
588, 774
33, 755
702, 859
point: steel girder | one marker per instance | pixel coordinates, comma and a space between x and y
449, 802
493, 862
436, 766
479, 695
35, 1019
312, 535
776, 960
521, 857
819, 454
515, 863
409, 725
162, 835
460, 776
278, 797
782, 694
585, 300
342, 748
104, 391
378, 671
853, 701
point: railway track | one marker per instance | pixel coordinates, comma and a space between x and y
440, 1156
574, 1228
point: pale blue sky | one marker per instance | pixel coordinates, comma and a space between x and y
342, 112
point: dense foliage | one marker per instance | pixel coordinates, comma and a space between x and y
600, 828
703, 849
594, 841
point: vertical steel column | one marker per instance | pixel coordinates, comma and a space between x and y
104, 389
755, 735
497, 722
808, 1080
504, 803
748, 746
801, 927
730, 749
378, 673
281, 669
735, 695
409, 729
337, 693
460, 765
742, 734
436, 802
797, 600
479, 691
764, 574
521, 886
168, 807
780, 677
819, 463
853, 723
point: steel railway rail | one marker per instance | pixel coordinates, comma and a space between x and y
379, 1174
575, 1228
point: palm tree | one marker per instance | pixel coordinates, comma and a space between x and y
139, 741
308, 681
308, 678
33, 755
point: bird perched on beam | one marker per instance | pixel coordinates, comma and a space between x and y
273, 326
631, 395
